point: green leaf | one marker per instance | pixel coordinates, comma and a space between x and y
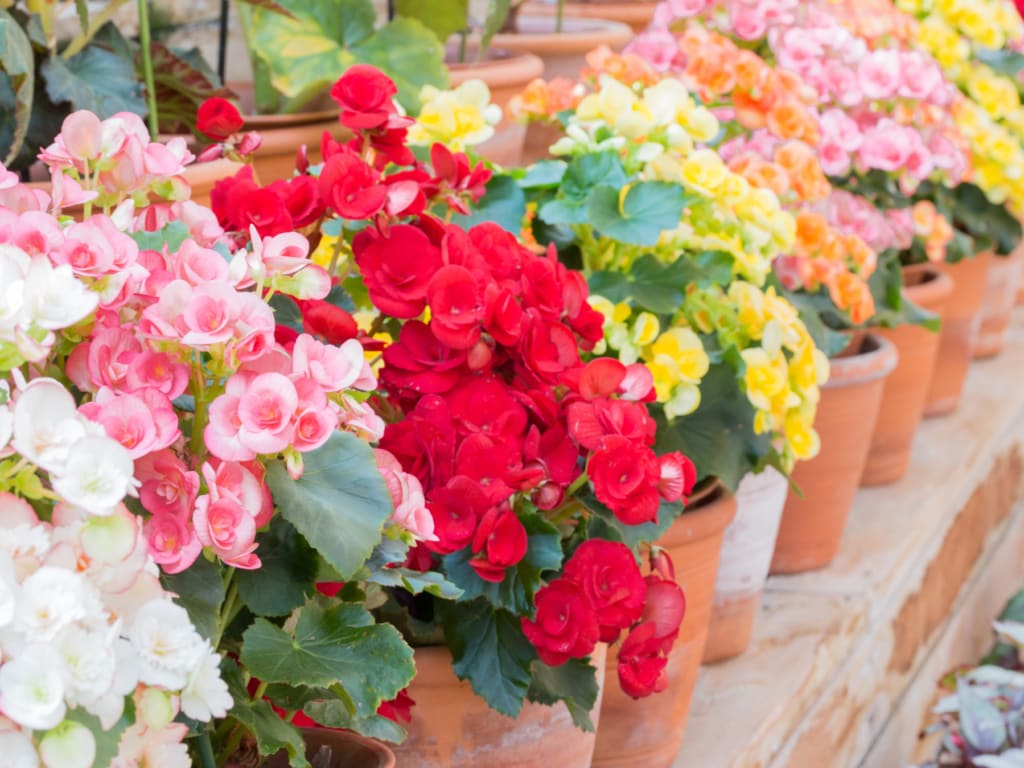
95, 79
200, 592
504, 203
410, 55
286, 312
584, 174
171, 235
285, 579
17, 62
332, 644
1003, 61
639, 218
334, 714
340, 504
660, 287
272, 733
544, 174
574, 682
719, 436
416, 582
442, 17
490, 650
497, 13
515, 592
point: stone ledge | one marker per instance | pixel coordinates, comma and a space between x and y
844, 661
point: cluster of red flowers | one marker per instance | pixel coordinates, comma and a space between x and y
601, 593
489, 402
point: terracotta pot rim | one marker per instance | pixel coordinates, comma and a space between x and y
935, 286
865, 366
517, 68
709, 513
578, 33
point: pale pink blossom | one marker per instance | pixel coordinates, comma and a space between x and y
172, 542
143, 421
229, 529
879, 74
244, 482
168, 486
410, 505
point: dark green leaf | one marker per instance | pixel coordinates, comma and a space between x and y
574, 682
285, 579
504, 203
719, 436
340, 504
330, 645
200, 592
272, 733
286, 312
603, 523
545, 173
442, 17
94, 79
648, 209
490, 650
17, 63
515, 592
415, 582
583, 175
334, 714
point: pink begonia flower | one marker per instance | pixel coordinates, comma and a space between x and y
254, 329
67, 192
638, 382
253, 416
244, 482
838, 127
109, 355
658, 46
842, 83
410, 504
158, 371
96, 248
168, 486
312, 282
333, 368
8, 179
172, 542
361, 419
879, 74
34, 232
884, 147
922, 79
196, 265
208, 317
227, 527
918, 161
142, 422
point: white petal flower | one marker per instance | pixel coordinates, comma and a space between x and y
69, 745
167, 645
6, 416
206, 695
52, 599
98, 474
8, 589
46, 424
18, 750
13, 266
89, 664
32, 688
54, 297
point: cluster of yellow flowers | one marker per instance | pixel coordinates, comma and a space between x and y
991, 117
657, 128
778, 367
459, 118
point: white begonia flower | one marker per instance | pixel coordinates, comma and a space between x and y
51, 600
69, 745
206, 695
8, 589
54, 298
32, 688
167, 645
18, 750
46, 424
89, 662
14, 263
6, 415
97, 475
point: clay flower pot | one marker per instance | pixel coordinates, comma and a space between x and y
959, 326
1004, 277
348, 750
906, 389
452, 727
539, 138
636, 14
812, 524
506, 75
746, 555
202, 176
564, 53
648, 732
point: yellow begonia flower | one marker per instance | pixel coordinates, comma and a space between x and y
764, 377
682, 350
684, 400
704, 172
324, 252
645, 329
460, 118
801, 437
996, 95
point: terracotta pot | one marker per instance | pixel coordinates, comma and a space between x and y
958, 329
648, 732
637, 14
348, 750
906, 389
539, 138
506, 76
1004, 277
746, 555
564, 53
452, 727
812, 524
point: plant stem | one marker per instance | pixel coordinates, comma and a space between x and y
559, 16
147, 69
338, 245
206, 750
227, 612
463, 42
